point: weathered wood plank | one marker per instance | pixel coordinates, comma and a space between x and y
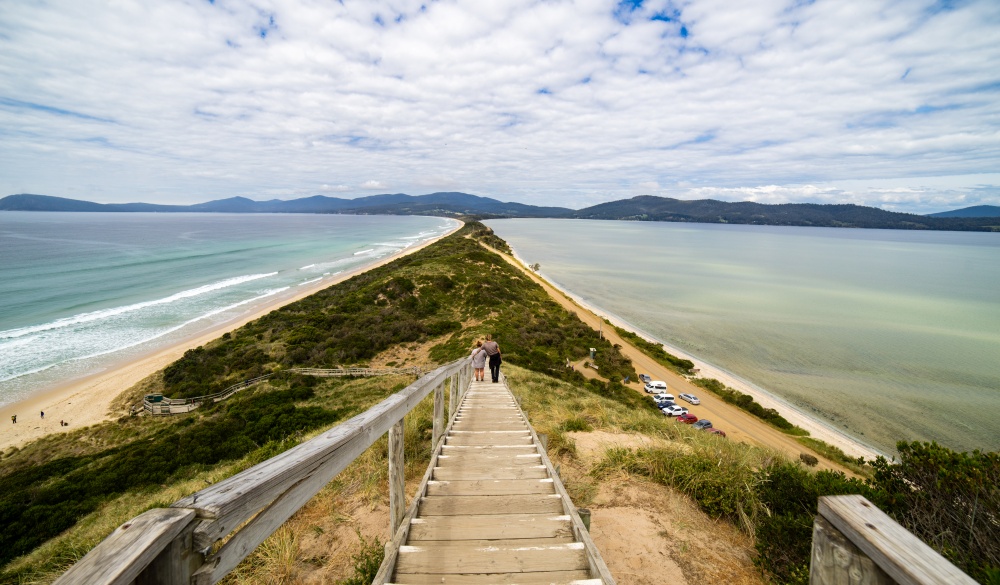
453, 397
547, 578
127, 551
476, 460
438, 415
464, 505
487, 439
490, 527
485, 425
903, 556
836, 560
456, 558
490, 487
490, 449
465, 473
397, 475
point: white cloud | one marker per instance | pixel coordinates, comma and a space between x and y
565, 103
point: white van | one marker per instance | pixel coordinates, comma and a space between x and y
656, 386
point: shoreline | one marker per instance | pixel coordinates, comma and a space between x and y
817, 429
86, 400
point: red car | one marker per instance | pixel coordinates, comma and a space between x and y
719, 432
688, 418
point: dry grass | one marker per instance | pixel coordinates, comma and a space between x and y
647, 532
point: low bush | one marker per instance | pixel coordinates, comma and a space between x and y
747, 403
656, 351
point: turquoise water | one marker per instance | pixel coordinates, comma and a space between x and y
81, 291
885, 334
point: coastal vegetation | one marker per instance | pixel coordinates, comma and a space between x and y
655, 350
61, 495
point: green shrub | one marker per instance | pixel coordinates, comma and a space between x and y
366, 562
747, 403
656, 351
36, 503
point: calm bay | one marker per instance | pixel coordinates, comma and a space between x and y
885, 334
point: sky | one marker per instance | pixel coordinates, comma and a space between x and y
892, 104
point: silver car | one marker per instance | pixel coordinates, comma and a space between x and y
689, 398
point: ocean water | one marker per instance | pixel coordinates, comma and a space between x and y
82, 291
886, 334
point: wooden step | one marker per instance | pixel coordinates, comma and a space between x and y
475, 460
499, 504
460, 558
487, 439
480, 473
490, 527
490, 487
546, 578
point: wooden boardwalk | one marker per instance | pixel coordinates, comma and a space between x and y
492, 509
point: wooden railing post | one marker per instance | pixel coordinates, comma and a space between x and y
453, 397
397, 493
438, 415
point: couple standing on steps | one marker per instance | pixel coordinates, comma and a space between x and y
480, 353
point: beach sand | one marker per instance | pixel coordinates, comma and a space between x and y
737, 423
87, 401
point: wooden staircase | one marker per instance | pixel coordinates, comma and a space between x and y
493, 510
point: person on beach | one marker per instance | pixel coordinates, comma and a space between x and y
13, 418
479, 362
43, 414
493, 350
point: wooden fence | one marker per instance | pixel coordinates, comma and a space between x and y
180, 544
157, 404
856, 543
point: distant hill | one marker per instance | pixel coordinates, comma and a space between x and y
642, 208
974, 211
393, 204
649, 208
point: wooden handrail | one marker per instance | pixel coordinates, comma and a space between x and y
855, 542
173, 546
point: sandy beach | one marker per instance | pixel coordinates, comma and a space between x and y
743, 427
86, 401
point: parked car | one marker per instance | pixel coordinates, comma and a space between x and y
690, 398
660, 397
674, 410
656, 386
703, 424
645, 378
687, 418
719, 432
661, 404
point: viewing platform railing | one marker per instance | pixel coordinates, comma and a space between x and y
180, 544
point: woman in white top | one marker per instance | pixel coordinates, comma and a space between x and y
479, 362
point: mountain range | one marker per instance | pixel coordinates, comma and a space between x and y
641, 208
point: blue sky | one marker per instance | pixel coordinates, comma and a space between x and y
894, 104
